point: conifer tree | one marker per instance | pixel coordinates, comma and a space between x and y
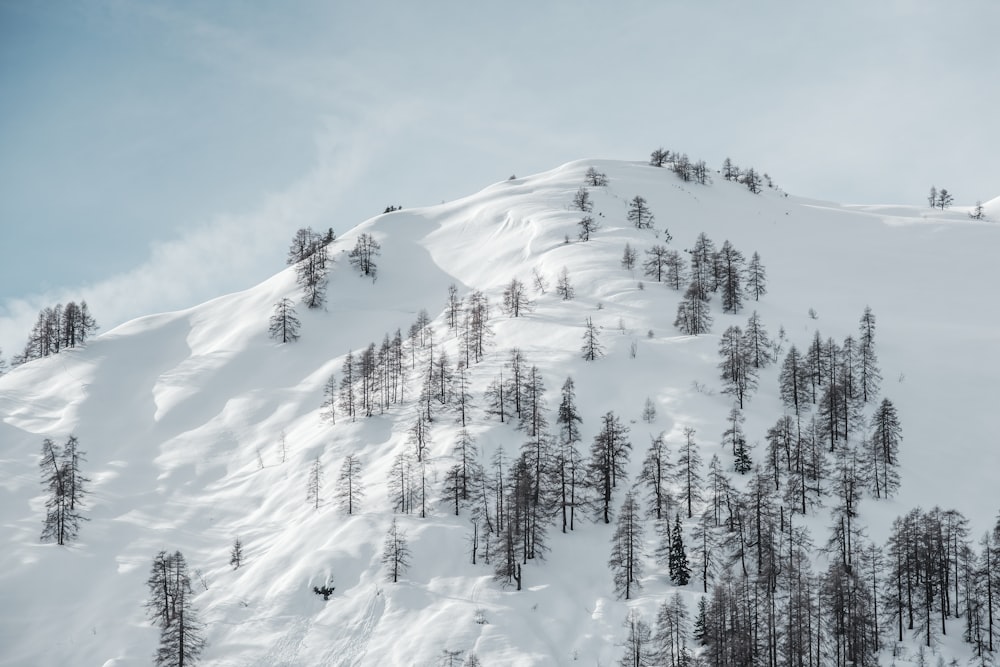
591, 348
675, 273
350, 485
362, 256
314, 484
61, 475
236, 553
638, 648
609, 454
731, 262
285, 324
395, 552
756, 278
639, 213
680, 571
568, 464
689, 471
170, 607
693, 317
628, 257
587, 227
655, 476
564, 288
626, 549
870, 377
582, 201
882, 457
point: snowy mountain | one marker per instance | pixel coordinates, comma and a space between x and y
199, 428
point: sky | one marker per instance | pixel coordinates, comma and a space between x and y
156, 155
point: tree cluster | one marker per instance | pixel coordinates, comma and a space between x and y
749, 177
679, 163
66, 487
309, 254
724, 270
941, 199
56, 329
171, 608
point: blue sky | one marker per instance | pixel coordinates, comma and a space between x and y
154, 155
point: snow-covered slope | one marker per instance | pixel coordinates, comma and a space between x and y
176, 411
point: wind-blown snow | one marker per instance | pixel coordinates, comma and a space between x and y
173, 409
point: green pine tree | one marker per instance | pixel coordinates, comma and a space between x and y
680, 571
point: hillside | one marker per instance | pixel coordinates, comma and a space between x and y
182, 417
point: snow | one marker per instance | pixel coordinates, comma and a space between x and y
174, 409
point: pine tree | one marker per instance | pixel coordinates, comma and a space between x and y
236, 553
882, 458
311, 272
609, 454
659, 157
756, 343
626, 548
639, 213
314, 484
689, 471
328, 409
870, 377
582, 202
680, 571
401, 484
595, 178
563, 286
756, 278
731, 263
395, 552
284, 323
587, 227
944, 199
350, 486
628, 258
568, 464
656, 476
170, 607
675, 273
515, 299
737, 372
591, 348
61, 475
742, 461
655, 266
693, 317
638, 651
362, 256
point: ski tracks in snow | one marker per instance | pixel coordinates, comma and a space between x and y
358, 635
